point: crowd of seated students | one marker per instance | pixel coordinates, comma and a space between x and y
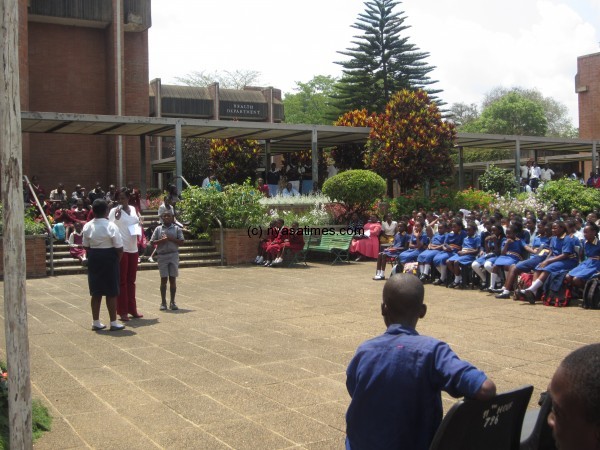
68, 213
494, 250
271, 249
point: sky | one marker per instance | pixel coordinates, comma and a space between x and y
475, 45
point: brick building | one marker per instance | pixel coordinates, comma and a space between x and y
83, 56
587, 86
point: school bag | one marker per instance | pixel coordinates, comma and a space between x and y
523, 282
556, 292
59, 231
411, 267
591, 294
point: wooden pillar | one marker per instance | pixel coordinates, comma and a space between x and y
15, 305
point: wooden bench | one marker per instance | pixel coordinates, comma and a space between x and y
337, 245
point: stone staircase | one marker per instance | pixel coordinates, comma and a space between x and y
193, 253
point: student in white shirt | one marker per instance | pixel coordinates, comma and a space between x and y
127, 220
104, 248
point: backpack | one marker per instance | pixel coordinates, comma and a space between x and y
523, 282
591, 294
411, 267
556, 292
59, 231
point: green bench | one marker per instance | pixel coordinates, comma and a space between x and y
337, 245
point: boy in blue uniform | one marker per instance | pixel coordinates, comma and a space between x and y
395, 380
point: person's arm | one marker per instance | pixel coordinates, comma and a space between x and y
486, 391
177, 240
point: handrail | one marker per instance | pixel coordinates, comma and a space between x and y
184, 180
221, 240
48, 227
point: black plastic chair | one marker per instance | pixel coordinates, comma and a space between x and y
493, 424
536, 433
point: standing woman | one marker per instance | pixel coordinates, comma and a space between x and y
104, 247
127, 220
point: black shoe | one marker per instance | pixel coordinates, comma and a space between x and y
424, 278
163, 306
438, 282
529, 296
507, 295
452, 285
118, 327
173, 306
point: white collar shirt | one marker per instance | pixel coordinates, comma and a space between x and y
100, 233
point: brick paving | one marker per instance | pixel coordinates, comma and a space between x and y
256, 357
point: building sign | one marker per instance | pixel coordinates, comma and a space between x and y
251, 111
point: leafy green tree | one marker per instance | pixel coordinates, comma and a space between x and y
410, 142
462, 113
511, 114
227, 79
195, 159
557, 114
382, 60
233, 161
351, 156
497, 180
312, 103
357, 189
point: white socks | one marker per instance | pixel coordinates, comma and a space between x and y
493, 279
457, 279
427, 269
488, 265
535, 286
443, 272
478, 270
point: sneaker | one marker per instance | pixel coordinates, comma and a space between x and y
150, 259
163, 306
260, 260
379, 277
173, 306
98, 327
117, 327
503, 295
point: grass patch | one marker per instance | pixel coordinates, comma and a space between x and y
40, 417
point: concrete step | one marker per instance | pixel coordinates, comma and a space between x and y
64, 254
78, 269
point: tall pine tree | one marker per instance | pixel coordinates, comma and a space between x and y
382, 62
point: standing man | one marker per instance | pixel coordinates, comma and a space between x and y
273, 177
547, 174
535, 172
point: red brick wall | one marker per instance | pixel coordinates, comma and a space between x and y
35, 255
238, 247
588, 75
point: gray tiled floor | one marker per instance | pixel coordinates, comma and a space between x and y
255, 358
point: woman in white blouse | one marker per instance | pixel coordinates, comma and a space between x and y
388, 230
127, 219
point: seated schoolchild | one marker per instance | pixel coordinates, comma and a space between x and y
491, 250
79, 212
263, 243
425, 259
417, 243
388, 230
513, 249
465, 256
294, 241
538, 251
76, 248
395, 380
561, 258
591, 265
452, 245
399, 245
274, 246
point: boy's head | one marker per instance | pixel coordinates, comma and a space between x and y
100, 208
575, 392
167, 217
403, 300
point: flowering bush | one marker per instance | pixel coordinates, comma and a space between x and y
315, 217
518, 204
473, 199
298, 200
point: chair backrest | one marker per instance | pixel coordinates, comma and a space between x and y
540, 437
493, 424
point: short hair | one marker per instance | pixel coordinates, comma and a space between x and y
582, 368
403, 294
99, 207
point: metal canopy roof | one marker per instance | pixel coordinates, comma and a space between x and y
499, 141
283, 137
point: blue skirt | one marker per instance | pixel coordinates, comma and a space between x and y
441, 258
103, 271
586, 270
426, 256
559, 266
409, 256
506, 260
530, 264
463, 260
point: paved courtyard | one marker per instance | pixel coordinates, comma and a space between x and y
256, 357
